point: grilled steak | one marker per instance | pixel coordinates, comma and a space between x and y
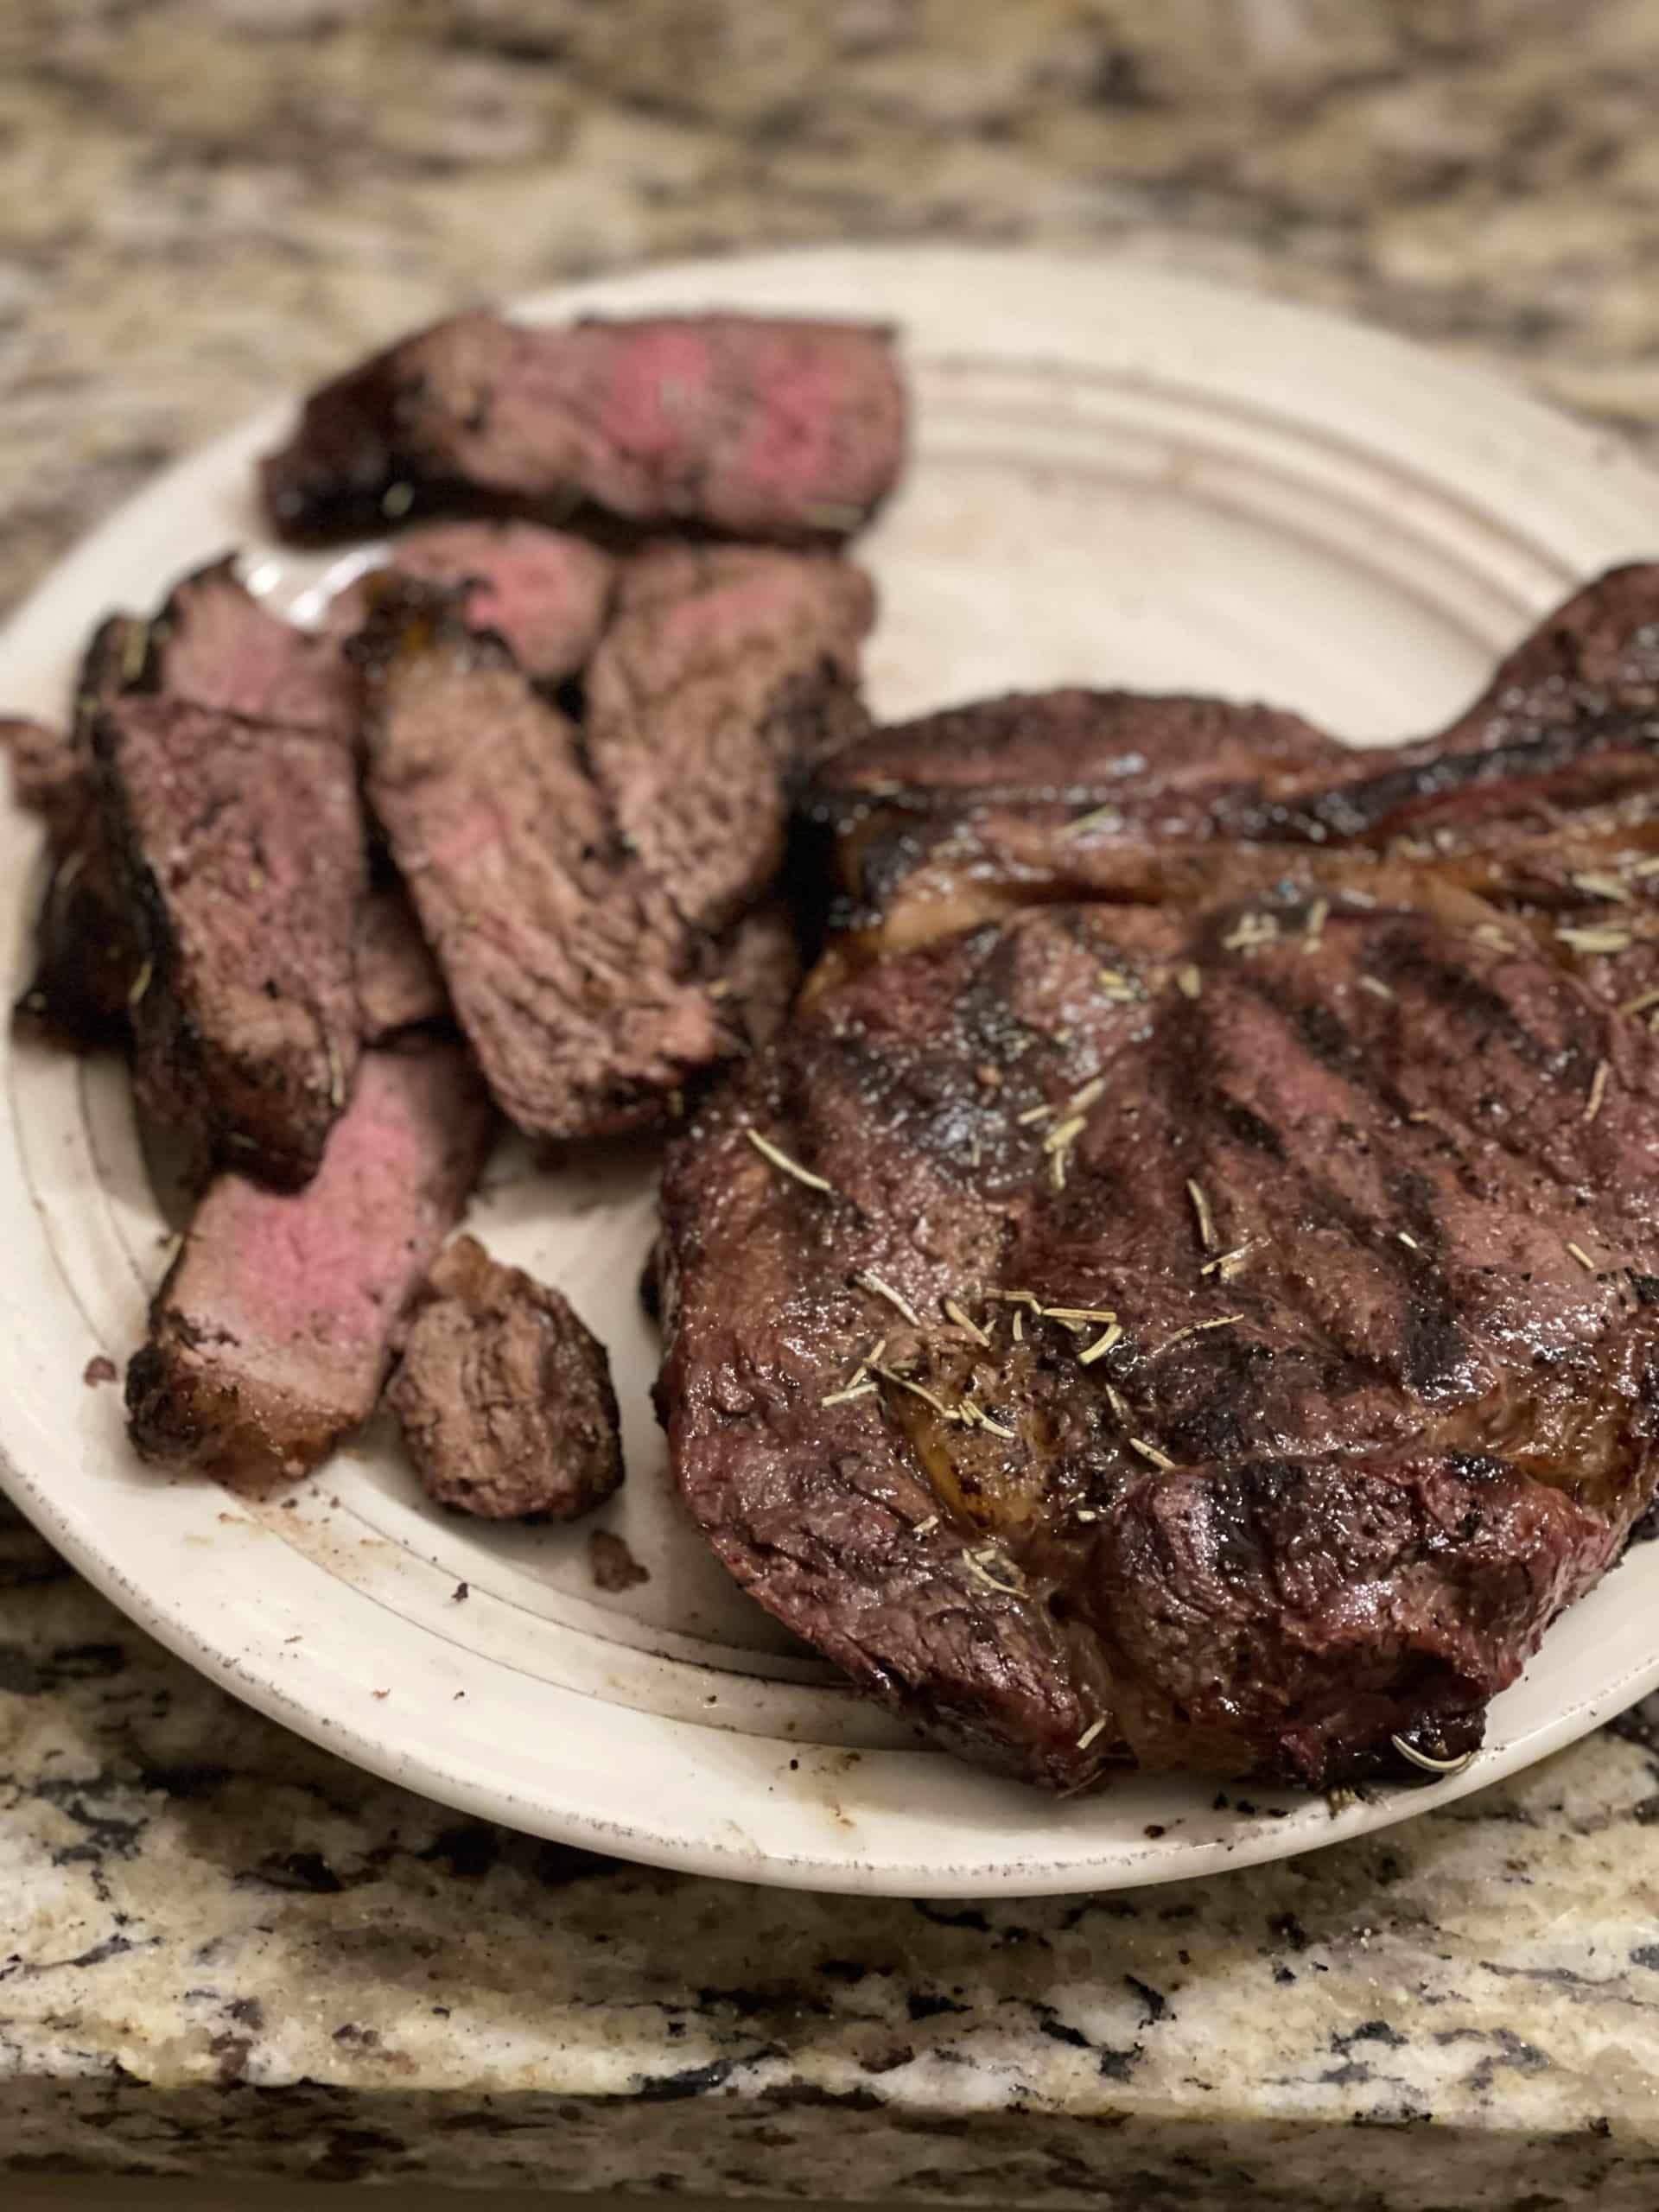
757, 428
398, 986
725, 670
545, 592
240, 850
1265, 1285
567, 965
270, 1338
504, 1397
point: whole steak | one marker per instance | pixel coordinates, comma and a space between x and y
1219, 1330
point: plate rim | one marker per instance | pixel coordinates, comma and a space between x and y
382, 1742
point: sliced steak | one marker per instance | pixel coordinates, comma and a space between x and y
398, 986
504, 1399
241, 852
270, 1338
569, 967
755, 428
544, 591
1300, 1357
725, 670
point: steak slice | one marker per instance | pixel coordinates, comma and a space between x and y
1301, 1358
544, 591
270, 1338
570, 969
756, 427
504, 1399
725, 671
398, 986
241, 852
213, 643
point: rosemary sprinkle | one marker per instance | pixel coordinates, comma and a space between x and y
954, 1313
1595, 937
1189, 981
873, 1282
1375, 986
780, 1158
1429, 1764
1097, 820
1150, 1452
1206, 1220
1102, 1345
1598, 1091
855, 1390
1090, 1733
1582, 1258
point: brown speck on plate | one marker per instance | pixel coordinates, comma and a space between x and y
100, 1368
460, 1594
613, 1566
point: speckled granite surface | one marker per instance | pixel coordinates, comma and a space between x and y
220, 1950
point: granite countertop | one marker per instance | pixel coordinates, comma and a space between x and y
224, 1951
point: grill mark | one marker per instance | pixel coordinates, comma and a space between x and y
1327, 1039
1402, 957
1431, 1344
1354, 810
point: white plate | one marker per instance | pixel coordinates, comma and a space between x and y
1120, 477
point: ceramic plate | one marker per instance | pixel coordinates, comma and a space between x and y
1119, 477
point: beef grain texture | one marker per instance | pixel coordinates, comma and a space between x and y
504, 1397
544, 592
241, 852
757, 428
1378, 1226
213, 642
570, 971
726, 672
398, 986
270, 1338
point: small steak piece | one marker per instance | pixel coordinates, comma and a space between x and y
544, 591
398, 986
1264, 1278
213, 643
613, 1566
754, 427
725, 670
569, 968
241, 848
270, 1338
504, 1399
